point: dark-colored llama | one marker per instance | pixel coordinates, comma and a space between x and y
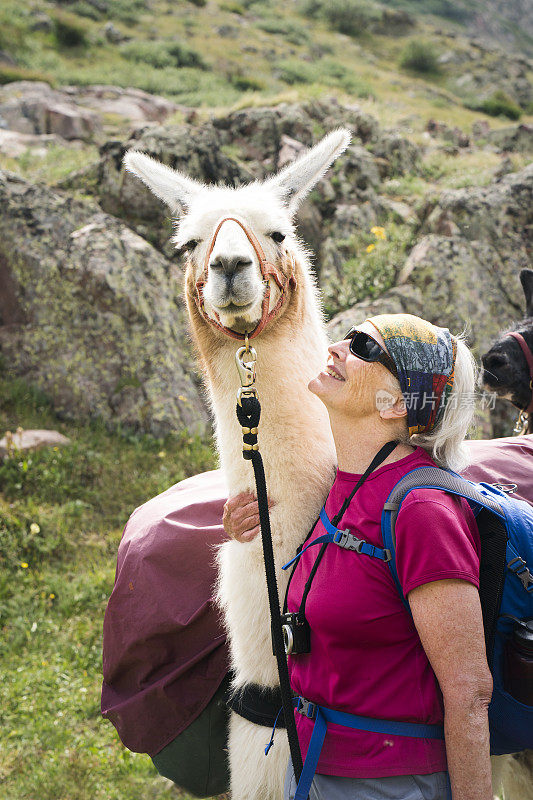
508, 365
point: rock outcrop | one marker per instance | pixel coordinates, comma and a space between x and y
90, 304
35, 108
473, 244
253, 143
91, 313
23, 440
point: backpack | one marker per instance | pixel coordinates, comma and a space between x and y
506, 583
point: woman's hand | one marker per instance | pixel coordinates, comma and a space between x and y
241, 517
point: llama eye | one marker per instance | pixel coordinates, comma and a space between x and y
188, 247
277, 237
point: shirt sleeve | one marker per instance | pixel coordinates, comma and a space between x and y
436, 538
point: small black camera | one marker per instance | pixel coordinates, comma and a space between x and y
296, 634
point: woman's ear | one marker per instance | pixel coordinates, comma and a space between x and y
395, 409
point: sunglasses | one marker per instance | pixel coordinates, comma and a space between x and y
363, 346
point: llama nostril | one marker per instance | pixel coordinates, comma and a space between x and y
229, 265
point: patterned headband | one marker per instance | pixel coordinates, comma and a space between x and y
424, 356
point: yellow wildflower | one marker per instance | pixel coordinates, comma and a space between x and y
162, 454
370, 248
24, 564
34, 528
52, 596
378, 232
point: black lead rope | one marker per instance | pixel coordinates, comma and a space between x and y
378, 459
248, 414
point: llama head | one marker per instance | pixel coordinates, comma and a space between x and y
505, 369
228, 264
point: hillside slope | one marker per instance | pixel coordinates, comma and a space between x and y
216, 53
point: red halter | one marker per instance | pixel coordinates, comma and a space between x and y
529, 358
267, 270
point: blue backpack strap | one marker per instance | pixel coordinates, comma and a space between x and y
516, 564
479, 496
343, 539
322, 716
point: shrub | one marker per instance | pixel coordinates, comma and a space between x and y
333, 73
162, 54
88, 10
69, 31
356, 86
127, 11
291, 31
185, 56
233, 7
247, 83
450, 9
395, 22
293, 71
352, 17
500, 104
419, 56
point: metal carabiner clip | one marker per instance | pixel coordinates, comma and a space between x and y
521, 424
245, 359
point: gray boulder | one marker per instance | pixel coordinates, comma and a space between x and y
474, 243
23, 440
92, 314
398, 300
399, 154
250, 144
463, 271
131, 104
35, 108
196, 150
514, 139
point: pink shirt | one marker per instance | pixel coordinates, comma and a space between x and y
366, 657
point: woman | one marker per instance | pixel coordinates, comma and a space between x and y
396, 378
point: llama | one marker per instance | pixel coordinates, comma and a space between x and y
507, 372
223, 232
505, 367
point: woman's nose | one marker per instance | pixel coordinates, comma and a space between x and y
339, 349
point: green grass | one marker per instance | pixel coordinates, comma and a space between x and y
371, 262
232, 53
61, 515
57, 162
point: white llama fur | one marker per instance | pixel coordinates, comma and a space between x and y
294, 434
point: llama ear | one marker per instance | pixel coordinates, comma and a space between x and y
297, 179
175, 189
526, 279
